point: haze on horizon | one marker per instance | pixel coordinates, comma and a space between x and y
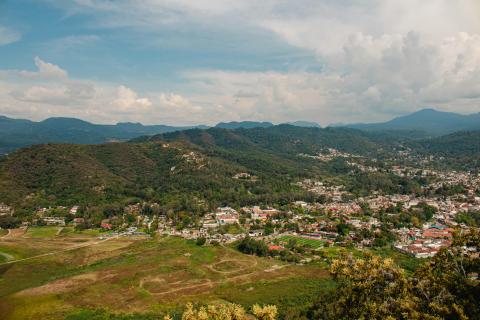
202, 62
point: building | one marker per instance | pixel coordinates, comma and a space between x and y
54, 221
5, 210
74, 210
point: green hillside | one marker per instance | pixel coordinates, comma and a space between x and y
194, 170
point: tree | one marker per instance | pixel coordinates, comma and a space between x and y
8, 222
201, 241
374, 288
251, 246
228, 311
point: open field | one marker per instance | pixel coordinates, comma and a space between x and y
42, 232
314, 243
125, 275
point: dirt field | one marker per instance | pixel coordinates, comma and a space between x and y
68, 271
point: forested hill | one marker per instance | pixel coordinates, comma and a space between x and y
281, 139
197, 168
459, 148
193, 166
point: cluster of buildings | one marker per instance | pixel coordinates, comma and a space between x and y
328, 155
333, 192
5, 210
425, 242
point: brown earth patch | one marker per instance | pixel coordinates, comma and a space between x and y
64, 285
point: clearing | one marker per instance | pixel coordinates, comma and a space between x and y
72, 271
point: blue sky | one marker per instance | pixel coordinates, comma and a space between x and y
186, 62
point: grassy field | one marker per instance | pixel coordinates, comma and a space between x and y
157, 275
74, 274
3, 232
42, 232
313, 243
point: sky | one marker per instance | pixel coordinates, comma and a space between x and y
184, 62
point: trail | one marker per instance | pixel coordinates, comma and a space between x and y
59, 251
210, 283
7, 256
5, 236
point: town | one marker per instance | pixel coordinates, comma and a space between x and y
418, 225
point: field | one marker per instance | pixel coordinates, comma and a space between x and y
68, 273
42, 232
313, 243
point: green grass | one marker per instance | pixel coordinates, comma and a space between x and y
313, 243
409, 263
42, 232
3, 232
168, 262
70, 231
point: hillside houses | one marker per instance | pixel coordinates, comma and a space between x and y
226, 215
5, 210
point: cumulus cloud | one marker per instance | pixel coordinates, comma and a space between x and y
127, 100
51, 92
46, 70
374, 60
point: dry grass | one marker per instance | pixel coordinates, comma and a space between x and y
126, 275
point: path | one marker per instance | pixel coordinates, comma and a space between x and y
59, 251
7, 256
14, 233
6, 235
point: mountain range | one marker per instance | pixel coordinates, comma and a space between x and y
199, 165
17, 133
430, 121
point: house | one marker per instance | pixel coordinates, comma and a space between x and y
74, 210
5, 210
262, 215
223, 219
77, 221
106, 226
275, 248
54, 221
226, 215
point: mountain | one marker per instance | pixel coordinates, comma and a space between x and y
308, 124
281, 139
173, 168
190, 169
16, 133
459, 150
243, 124
431, 121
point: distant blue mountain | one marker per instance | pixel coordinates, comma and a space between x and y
306, 124
16, 133
430, 121
243, 125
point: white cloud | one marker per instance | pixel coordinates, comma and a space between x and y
46, 70
127, 100
8, 35
378, 59
50, 92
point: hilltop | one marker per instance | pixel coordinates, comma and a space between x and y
17, 133
430, 121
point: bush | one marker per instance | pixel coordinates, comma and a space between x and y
201, 241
